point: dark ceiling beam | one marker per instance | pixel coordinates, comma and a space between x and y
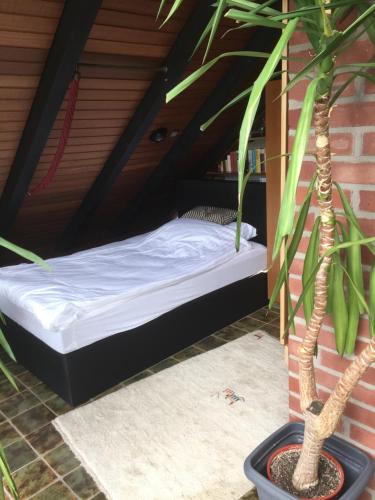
68, 43
175, 64
261, 40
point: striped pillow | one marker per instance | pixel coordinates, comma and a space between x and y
218, 215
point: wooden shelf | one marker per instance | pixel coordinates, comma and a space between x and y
226, 176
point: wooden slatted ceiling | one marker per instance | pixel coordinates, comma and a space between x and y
107, 99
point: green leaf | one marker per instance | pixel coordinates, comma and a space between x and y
310, 280
4, 344
204, 34
311, 258
254, 19
8, 375
252, 107
255, 7
203, 69
161, 5
361, 299
176, 5
350, 215
231, 103
293, 245
286, 213
215, 24
335, 41
370, 25
6, 474
23, 253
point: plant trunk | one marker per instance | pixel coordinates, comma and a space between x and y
321, 420
306, 472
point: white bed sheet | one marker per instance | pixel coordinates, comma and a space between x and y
93, 294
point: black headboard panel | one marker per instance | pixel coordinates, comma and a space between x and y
190, 193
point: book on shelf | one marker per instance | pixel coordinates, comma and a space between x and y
255, 163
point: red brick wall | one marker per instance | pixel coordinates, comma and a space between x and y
353, 145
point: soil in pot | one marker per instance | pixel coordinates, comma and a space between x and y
281, 467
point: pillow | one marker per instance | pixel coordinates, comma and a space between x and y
247, 230
218, 215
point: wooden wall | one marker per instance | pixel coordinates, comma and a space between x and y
125, 32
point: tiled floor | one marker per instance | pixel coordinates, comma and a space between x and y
44, 468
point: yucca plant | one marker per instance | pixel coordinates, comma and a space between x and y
332, 276
5, 473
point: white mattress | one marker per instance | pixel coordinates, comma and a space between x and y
93, 294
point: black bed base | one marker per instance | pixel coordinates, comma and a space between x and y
85, 373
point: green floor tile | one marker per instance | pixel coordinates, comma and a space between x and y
33, 419
62, 460
18, 403
210, 343
99, 496
187, 353
138, 376
265, 315
15, 368
32, 478
251, 495
28, 379
81, 483
230, 333
249, 324
166, 363
273, 330
58, 405
8, 434
43, 392
6, 390
19, 454
45, 439
57, 491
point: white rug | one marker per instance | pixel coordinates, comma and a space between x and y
175, 435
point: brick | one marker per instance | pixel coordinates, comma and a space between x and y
337, 363
294, 418
297, 93
293, 366
294, 385
295, 66
368, 145
367, 201
357, 114
296, 267
363, 436
359, 414
294, 403
361, 51
299, 37
369, 87
295, 286
302, 191
366, 495
356, 173
339, 80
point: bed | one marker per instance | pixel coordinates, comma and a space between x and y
104, 314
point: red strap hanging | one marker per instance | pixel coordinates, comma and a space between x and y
71, 106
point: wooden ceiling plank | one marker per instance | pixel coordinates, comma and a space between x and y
150, 105
261, 40
69, 40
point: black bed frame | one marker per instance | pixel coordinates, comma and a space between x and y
86, 372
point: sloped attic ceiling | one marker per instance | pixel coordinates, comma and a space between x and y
125, 52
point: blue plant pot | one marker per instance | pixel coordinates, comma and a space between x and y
358, 467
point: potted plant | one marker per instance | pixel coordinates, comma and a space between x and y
5, 473
332, 277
